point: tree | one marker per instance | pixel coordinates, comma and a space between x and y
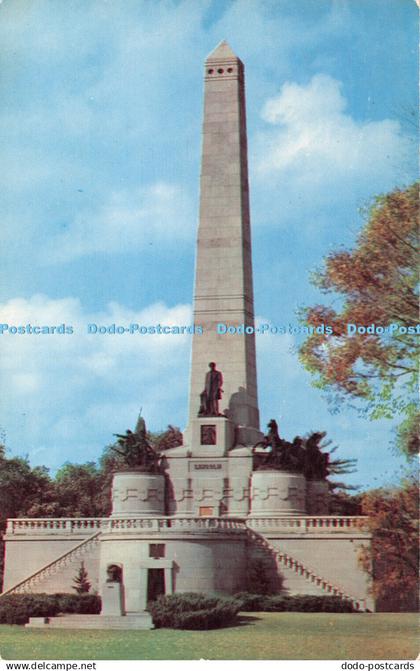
376, 283
393, 559
344, 503
260, 574
81, 582
78, 490
24, 492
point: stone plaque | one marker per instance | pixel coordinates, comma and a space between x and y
208, 434
206, 511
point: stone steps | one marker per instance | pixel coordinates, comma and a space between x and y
295, 583
292, 582
71, 621
51, 577
288, 565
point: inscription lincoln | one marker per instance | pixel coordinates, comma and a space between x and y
213, 467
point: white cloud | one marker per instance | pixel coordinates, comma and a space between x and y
129, 221
318, 152
36, 355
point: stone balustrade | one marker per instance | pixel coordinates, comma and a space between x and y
87, 525
54, 525
175, 524
308, 524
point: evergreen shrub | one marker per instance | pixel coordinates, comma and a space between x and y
18, 608
193, 611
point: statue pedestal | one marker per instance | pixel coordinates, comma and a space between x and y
209, 436
112, 599
317, 497
277, 493
138, 494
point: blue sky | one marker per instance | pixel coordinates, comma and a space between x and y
101, 123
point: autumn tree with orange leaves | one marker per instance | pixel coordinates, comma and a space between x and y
393, 557
376, 285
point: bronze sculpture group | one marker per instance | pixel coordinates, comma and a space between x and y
136, 449
300, 456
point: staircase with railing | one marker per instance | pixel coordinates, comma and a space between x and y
286, 563
30, 583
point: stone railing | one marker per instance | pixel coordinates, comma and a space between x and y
81, 526
308, 524
54, 525
87, 525
174, 524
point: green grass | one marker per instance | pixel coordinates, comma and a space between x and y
259, 636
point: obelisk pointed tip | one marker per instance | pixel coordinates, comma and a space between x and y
222, 52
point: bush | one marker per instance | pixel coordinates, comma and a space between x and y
193, 611
89, 604
18, 608
307, 603
304, 603
209, 618
251, 602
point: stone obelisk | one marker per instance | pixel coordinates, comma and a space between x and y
223, 282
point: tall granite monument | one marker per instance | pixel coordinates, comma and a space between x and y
223, 280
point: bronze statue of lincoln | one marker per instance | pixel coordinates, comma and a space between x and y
210, 397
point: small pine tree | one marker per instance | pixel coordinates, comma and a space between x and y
258, 581
81, 582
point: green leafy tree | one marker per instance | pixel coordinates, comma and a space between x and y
24, 492
374, 283
79, 490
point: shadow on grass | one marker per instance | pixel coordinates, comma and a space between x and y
241, 621
244, 620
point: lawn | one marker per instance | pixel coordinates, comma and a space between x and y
258, 636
